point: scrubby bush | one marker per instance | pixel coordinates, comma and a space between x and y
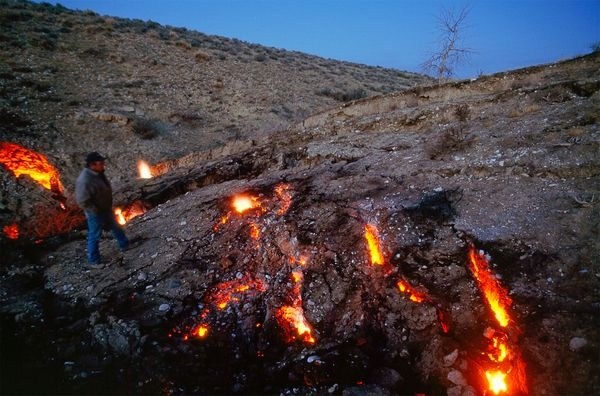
453, 138
201, 56
343, 96
145, 128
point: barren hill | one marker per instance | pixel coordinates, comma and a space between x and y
73, 81
431, 240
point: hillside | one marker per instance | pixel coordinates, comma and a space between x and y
429, 239
85, 81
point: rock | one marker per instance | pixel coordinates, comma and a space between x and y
457, 378
454, 391
366, 390
174, 283
313, 359
118, 336
577, 343
450, 359
469, 391
118, 119
164, 307
142, 276
385, 376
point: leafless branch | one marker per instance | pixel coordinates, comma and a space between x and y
443, 61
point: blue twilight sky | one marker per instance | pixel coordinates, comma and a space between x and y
505, 34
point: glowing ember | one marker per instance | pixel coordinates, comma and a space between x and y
144, 170
243, 203
496, 297
293, 317
413, 294
11, 231
302, 260
372, 237
231, 291
297, 276
22, 161
254, 231
283, 192
201, 331
496, 381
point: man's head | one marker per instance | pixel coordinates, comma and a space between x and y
95, 162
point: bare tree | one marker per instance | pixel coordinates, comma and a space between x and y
450, 52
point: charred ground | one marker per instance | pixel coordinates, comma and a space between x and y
507, 163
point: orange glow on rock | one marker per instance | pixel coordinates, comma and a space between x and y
21, 161
144, 170
293, 321
230, 291
496, 297
284, 194
11, 231
372, 237
254, 231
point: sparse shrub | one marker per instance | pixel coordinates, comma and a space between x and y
144, 128
260, 57
93, 52
462, 112
183, 44
452, 139
521, 111
201, 56
343, 96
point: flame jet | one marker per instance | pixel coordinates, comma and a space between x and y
505, 372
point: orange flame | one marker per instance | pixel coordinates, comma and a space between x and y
413, 295
134, 210
120, 217
496, 297
294, 318
506, 370
144, 170
22, 161
242, 203
372, 237
496, 381
11, 231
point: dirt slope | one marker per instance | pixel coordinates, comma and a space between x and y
506, 163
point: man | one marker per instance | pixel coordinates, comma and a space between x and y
93, 194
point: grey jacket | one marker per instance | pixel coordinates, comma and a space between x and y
93, 192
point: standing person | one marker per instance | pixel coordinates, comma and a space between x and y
93, 194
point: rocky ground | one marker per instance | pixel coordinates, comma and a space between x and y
507, 164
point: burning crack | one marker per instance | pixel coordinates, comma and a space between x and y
504, 368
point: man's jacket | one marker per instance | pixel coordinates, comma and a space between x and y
93, 192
